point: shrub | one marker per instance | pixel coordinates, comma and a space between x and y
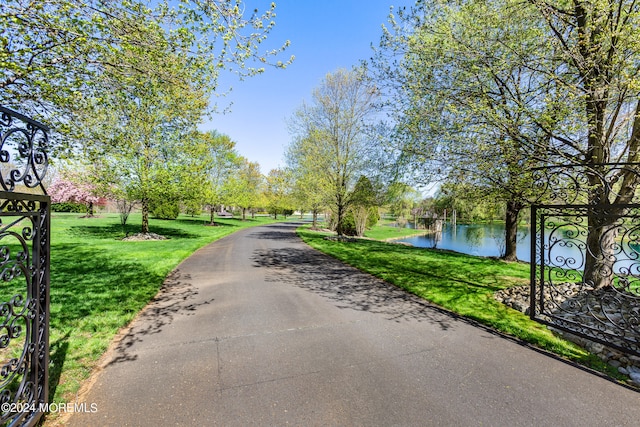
68, 207
193, 209
165, 209
374, 217
349, 224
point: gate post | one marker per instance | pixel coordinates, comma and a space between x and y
24, 270
533, 262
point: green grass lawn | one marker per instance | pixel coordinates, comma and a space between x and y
460, 283
99, 283
388, 232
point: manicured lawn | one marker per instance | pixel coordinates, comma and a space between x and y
460, 283
99, 283
387, 232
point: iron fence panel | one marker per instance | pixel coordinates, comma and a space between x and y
24, 270
563, 297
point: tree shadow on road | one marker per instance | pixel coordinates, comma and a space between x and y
177, 297
348, 287
279, 232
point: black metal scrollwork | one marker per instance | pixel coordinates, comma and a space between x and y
586, 276
24, 269
23, 151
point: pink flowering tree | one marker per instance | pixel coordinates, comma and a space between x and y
68, 189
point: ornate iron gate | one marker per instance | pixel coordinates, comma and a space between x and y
586, 276
24, 270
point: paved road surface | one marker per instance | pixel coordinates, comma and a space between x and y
259, 329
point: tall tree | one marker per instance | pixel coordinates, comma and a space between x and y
140, 130
332, 135
54, 54
244, 186
224, 163
401, 198
598, 44
533, 83
278, 192
364, 205
309, 186
467, 103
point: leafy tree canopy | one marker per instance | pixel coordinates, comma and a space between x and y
54, 55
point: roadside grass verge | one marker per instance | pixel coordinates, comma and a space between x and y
99, 283
460, 283
388, 232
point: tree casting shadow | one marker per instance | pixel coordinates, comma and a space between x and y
348, 287
116, 231
284, 232
175, 298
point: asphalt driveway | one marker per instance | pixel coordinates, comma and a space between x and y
260, 329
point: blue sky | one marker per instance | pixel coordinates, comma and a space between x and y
325, 35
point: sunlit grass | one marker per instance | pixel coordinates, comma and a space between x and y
387, 232
463, 284
99, 283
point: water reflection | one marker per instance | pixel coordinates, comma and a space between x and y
473, 239
564, 247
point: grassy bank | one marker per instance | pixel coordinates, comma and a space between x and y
99, 283
388, 232
460, 283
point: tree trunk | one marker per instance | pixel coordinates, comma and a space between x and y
360, 216
315, 219
212, 211
601, 233
511, 230
603, 225
145, 216
340, 220
600, 256
602, 230
244, 214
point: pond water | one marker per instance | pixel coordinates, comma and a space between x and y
474, 239
488, 240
